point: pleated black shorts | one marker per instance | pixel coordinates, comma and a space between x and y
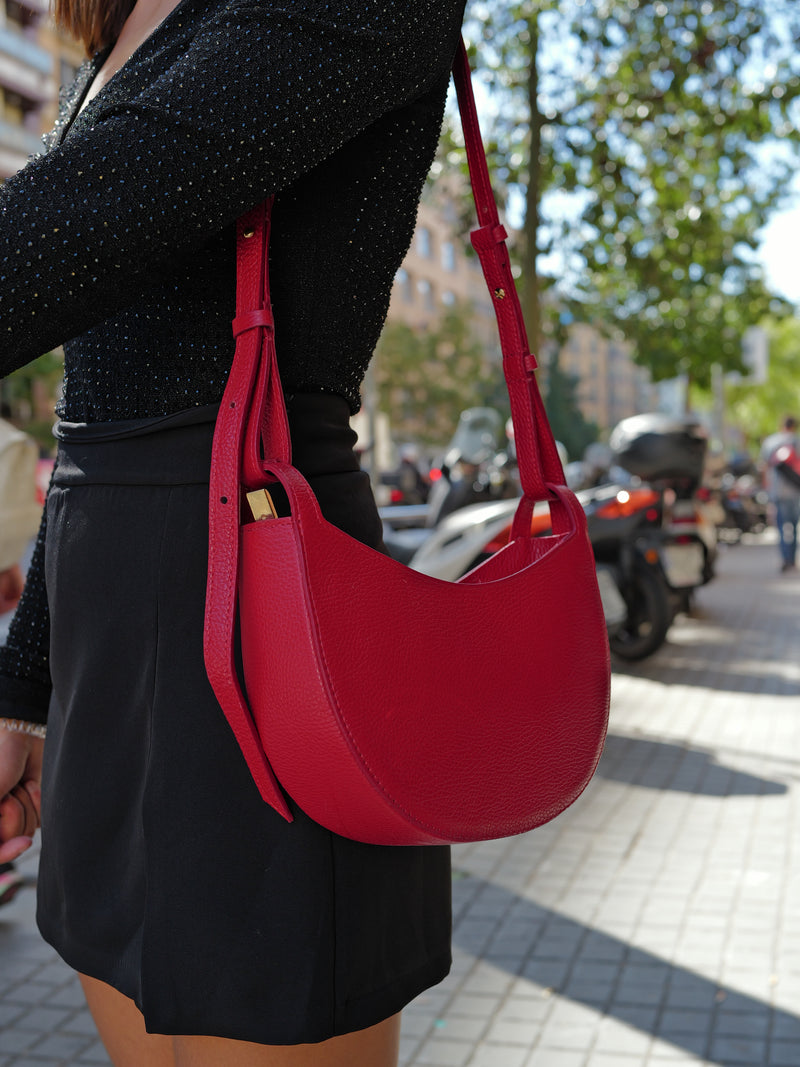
162, 872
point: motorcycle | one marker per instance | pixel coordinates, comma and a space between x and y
743, 505
652, 544
473, 470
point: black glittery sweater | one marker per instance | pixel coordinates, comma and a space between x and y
118, 241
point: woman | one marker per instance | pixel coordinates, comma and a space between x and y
189, 907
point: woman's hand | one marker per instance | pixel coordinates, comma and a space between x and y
20, 793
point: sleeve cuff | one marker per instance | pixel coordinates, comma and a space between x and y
25, 700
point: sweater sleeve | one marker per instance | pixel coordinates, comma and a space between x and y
24, 660
262, 93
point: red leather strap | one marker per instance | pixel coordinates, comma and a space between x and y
253, 364
252, 445
539, 462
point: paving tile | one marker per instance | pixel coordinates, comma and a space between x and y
80, 1022
443, 1053
567, 1037
459, 1028
472, 1004
36, 1061
494, 1055
684, 1021
514, 1032
9, 1013
29, 993
557, 1058
739, 1050
782, 1054
618, 1039
61, 1046
614, 1059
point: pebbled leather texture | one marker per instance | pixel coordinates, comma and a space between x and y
393, 707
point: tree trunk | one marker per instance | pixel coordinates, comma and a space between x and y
531, 300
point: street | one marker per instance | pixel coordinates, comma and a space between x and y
656, 923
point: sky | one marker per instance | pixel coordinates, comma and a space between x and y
780, 251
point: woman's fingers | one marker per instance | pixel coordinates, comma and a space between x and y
19, 814
20, 771
30, 811
14, 848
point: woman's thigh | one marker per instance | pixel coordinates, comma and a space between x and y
377, 1046
121, 1028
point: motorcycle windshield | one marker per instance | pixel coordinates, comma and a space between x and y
477, 434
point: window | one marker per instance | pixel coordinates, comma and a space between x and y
424, 244
448, 256
13, 107
426, 292
404, 284
448, 298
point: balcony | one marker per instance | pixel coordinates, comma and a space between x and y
26, 51
39, 7
19, 140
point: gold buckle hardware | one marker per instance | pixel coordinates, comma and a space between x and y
261, 505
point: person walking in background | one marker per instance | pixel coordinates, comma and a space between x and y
780, 456
19, 519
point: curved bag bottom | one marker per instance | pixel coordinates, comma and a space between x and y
396, 709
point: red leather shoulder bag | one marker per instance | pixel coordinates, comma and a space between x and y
489, 735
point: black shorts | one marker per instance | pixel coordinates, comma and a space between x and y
162, 872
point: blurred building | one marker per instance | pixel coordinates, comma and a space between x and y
34, 62
610, 385
440, 272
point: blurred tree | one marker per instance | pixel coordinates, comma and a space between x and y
644, 142
30, 393
758, 410
566, 420
426, 377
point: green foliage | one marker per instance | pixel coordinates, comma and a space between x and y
758, 410
568, 424
427, 377
648, 142
30, 394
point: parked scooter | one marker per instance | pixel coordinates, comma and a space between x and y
674, 536
651, 543
743, 502
473, 470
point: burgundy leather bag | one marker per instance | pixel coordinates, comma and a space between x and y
499, 723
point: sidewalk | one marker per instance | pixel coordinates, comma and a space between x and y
654, 924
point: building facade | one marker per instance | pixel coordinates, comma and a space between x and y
34, 62
611, 386
440, 272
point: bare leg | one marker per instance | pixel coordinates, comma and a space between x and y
121, 1027
377, 1046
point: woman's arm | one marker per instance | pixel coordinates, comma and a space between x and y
24, 671
257, 96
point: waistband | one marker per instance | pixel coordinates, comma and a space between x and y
163, 453
97, 432
175, 449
